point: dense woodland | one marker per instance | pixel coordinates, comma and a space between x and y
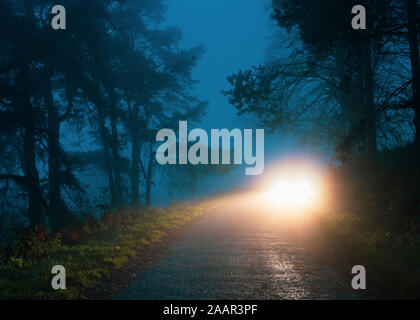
355, 90
113, 78
355, 94
88, 101
116, 76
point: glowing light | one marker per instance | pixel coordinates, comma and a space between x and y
292, 188
292, 193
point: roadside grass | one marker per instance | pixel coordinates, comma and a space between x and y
97, 250
391, 257
374, 221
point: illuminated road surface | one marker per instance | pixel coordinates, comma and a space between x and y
234, 253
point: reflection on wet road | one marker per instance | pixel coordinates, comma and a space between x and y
236, 254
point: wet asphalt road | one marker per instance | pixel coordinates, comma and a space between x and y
234, 253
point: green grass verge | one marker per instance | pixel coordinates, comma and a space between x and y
90, 260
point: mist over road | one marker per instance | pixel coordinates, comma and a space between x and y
235, 253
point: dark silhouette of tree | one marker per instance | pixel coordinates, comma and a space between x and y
413, 21
334, 85
114, 71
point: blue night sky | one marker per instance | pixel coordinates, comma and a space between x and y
235, 35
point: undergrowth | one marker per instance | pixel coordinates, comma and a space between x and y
89, 254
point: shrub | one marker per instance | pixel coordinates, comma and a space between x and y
375, 222
32, 243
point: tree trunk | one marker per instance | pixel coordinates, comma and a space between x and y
412, 11
149, 177
114, 141
29, 160
94, 94
29, 156
116, 161
55, 209
108, 161
31, 172
135, 170
370, 114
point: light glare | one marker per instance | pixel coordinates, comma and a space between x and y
292, 193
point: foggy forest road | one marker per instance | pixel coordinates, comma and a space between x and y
233, 253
